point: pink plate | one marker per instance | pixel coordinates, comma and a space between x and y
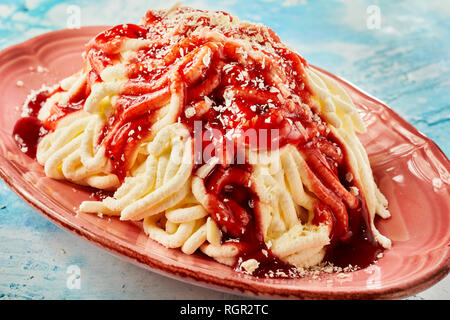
409, 168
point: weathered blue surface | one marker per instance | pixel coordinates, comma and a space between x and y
405, 63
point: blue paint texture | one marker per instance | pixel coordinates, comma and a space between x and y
405, 63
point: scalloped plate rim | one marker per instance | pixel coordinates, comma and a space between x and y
386, 292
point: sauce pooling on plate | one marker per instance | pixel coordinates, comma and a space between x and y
228, 82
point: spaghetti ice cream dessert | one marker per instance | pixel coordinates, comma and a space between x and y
216, 136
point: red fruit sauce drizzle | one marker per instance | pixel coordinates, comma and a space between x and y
162, 68
28, 130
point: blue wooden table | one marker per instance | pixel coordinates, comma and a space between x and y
397, 51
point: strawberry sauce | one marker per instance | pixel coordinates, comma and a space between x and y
224, 89
28, 130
